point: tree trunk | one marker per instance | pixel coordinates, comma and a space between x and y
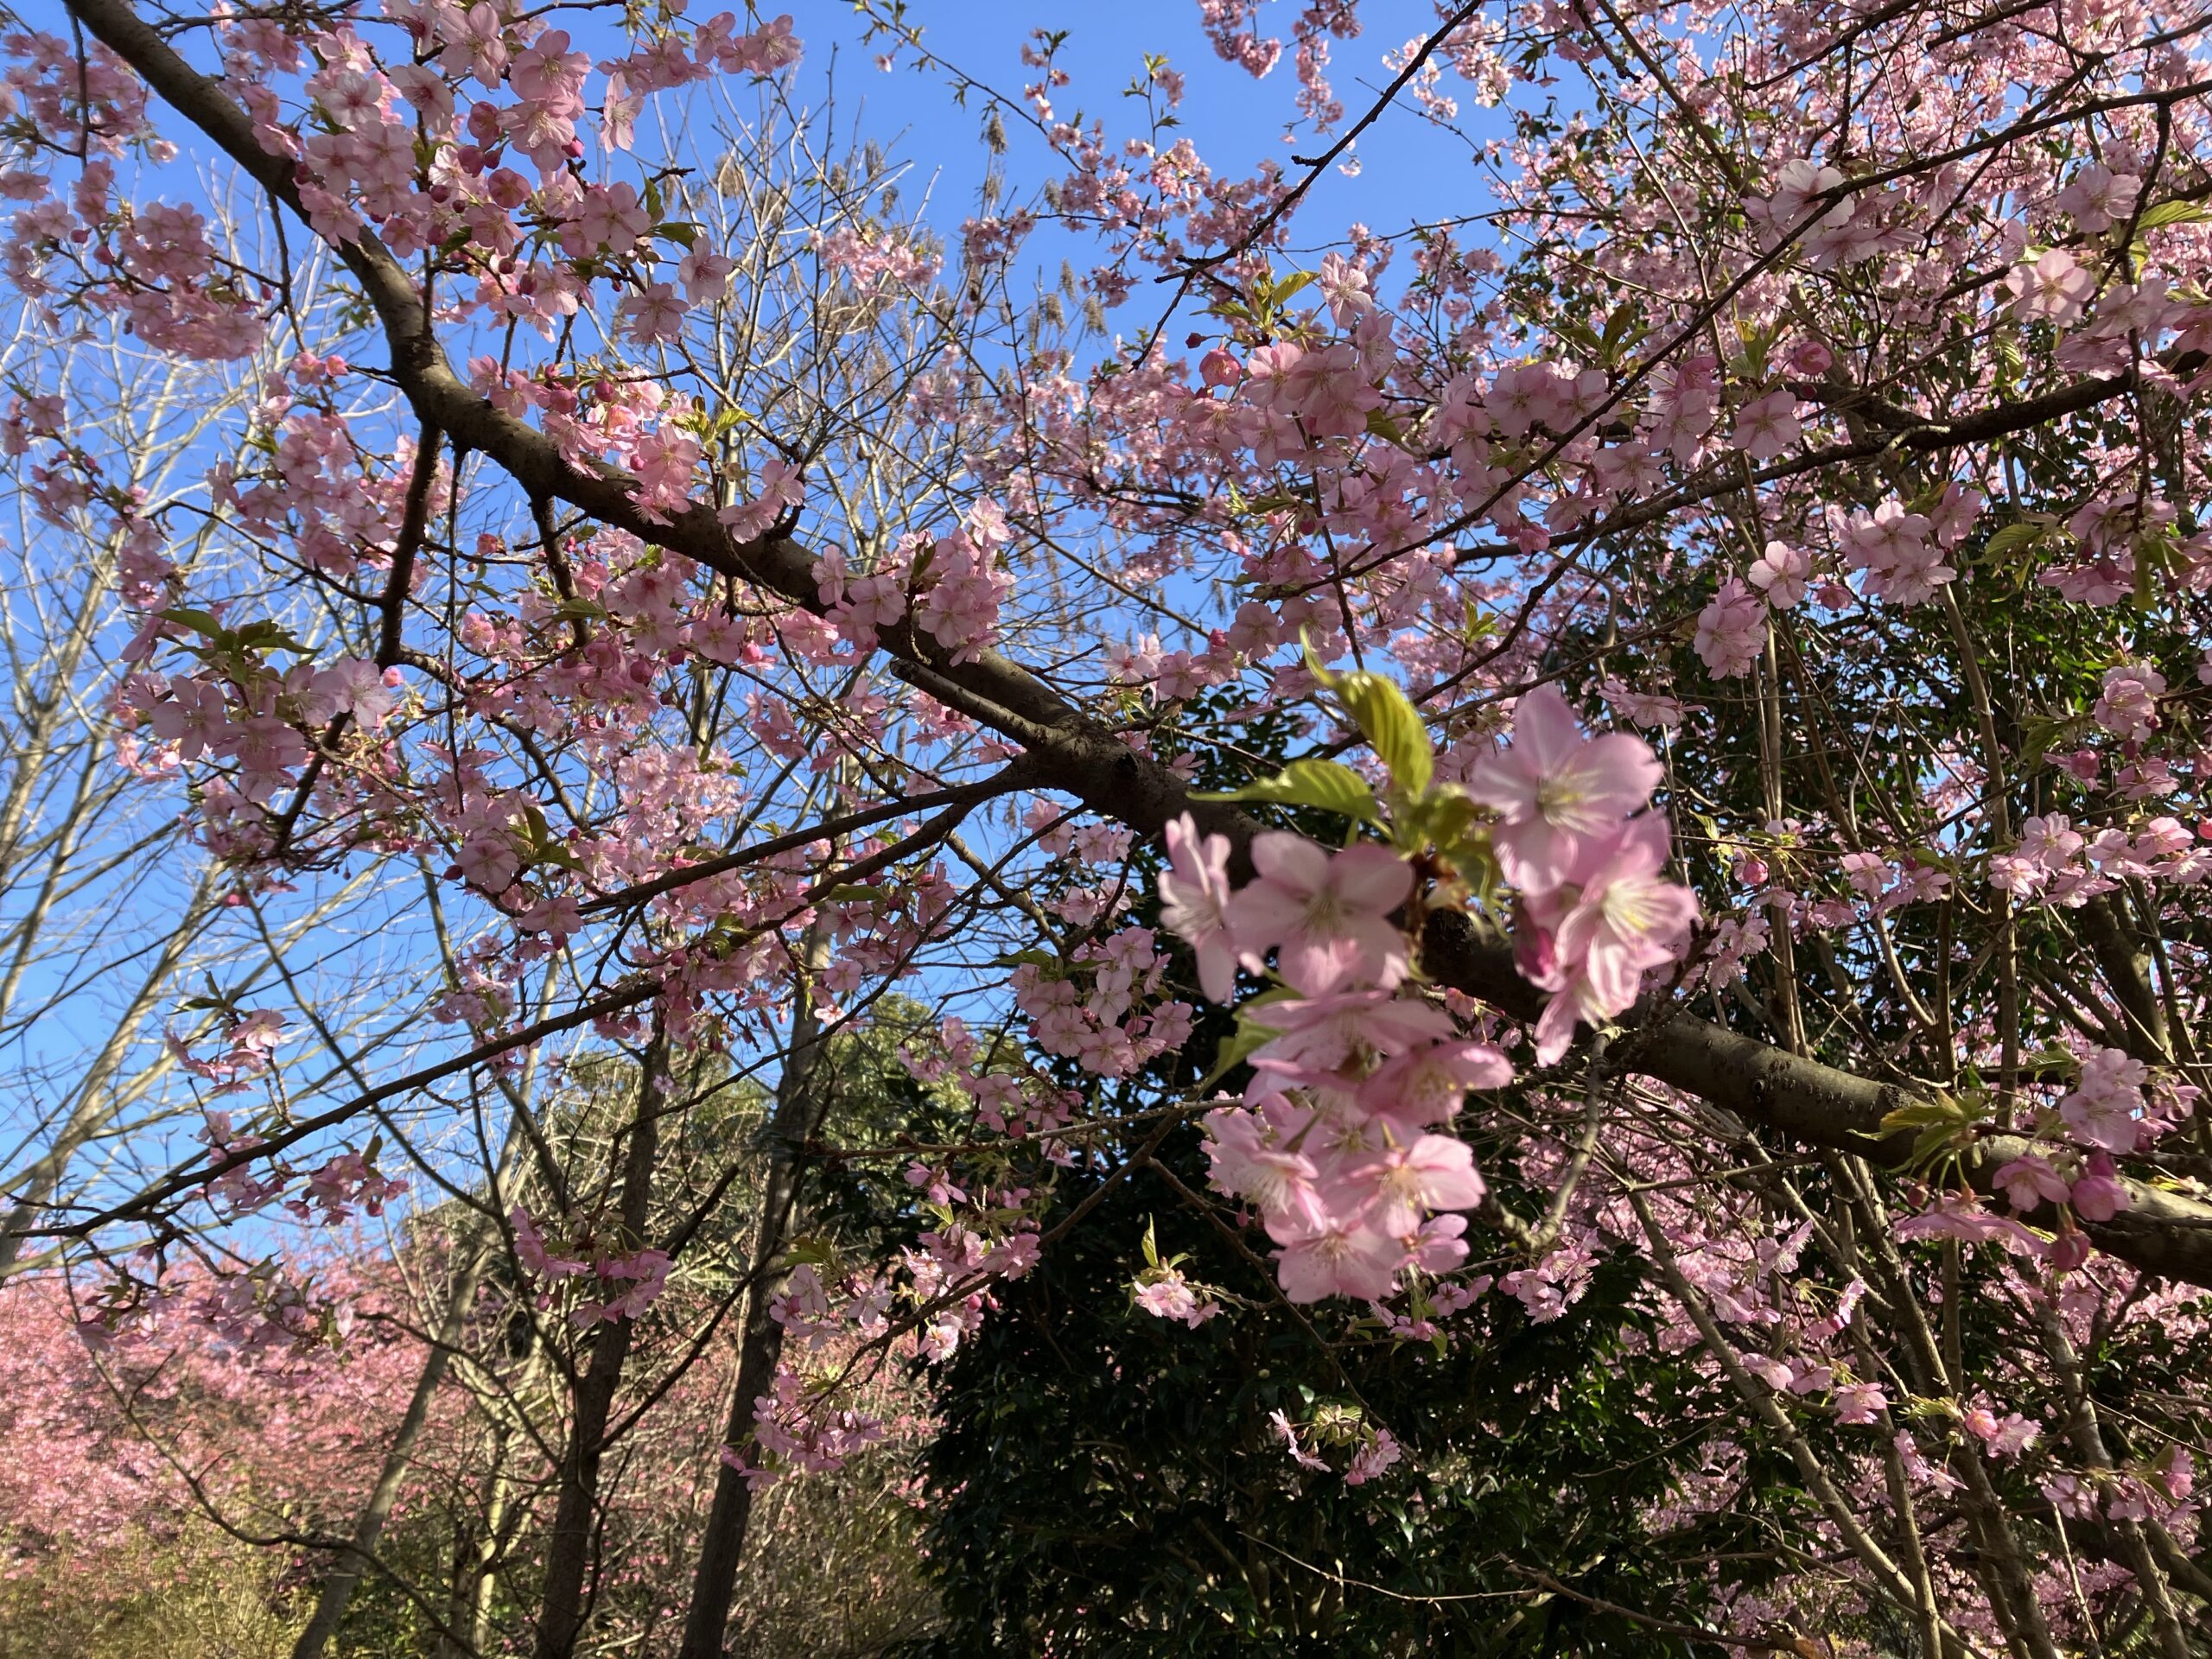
476, 1555
347, 1571
569, 1546
761, 1347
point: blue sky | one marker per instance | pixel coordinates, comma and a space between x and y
1409, 171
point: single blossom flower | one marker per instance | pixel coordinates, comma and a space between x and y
1780, 573
1286, 1432
2031, 1181
2097, 197
2099, 1195
1249, 1162
1859, 1403
1556, 791
1442, 1245
1767, 426
1194, 898
1434, 1172
2054, 288
1795, 189
1614, 918
1425, 1083
1328, 914
1339, 1259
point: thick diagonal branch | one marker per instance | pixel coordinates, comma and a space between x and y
2161, 1232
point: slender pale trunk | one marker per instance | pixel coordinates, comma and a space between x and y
568, 1547
473, 1251
472, 1578
761, 1347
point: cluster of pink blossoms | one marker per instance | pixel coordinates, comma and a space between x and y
1595, 913
644, 1273
1335, 1143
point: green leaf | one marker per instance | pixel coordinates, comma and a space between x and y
1945, 1126
199, 621
683, 234
1325, 783
2010, 358
1581, 336
2172, 212
266, 636
1621, 331
2014, 538
2043, 733
1249, 1037
541, 847
1390, 723
1385, 427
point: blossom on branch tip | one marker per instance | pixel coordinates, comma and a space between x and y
1556, 791
2106, 1106
2099, 1194
1337, 1259
2053, 288
1434, 1172
1425, 1083
1779, 573
1611, 920
1730, 632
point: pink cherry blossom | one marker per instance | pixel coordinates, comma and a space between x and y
1339, 1259
1781, 573
1860, 1402
1557, 791
2030, 1182
2097, 196
1612, 919
2054, 288
1425, 1083
1194, 898
1170, 1297
1767, 426
1320, 1032
1732, 632
2106, 1106
2127, 705
1328, 914
1434, 1172
2099, 1194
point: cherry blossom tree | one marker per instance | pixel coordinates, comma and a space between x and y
1652, 717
